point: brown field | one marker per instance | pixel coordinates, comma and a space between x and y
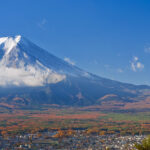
18, 121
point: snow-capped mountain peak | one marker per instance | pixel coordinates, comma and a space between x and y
20, 66
23, 63
9, 43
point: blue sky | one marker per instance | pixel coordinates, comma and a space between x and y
110, 38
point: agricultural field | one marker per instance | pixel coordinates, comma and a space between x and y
56, 118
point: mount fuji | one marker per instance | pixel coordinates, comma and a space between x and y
24, 64
30, 75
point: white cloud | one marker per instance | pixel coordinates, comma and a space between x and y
135, 58
136, 65
28, 77
133, 66
42, 23
68, 60
140, 65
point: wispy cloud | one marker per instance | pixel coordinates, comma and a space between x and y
147, 49
93, 62
42, 24
68, 60
136, 65
29, 76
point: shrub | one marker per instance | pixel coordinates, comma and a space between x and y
145, 145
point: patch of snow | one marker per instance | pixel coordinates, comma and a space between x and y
2, 40
25, 55
10, 43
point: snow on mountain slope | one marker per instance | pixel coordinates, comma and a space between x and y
20, 64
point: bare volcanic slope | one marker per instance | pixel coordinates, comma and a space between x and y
31, 76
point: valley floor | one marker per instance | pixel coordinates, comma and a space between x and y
72, 128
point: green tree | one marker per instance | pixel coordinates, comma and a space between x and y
145, 145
